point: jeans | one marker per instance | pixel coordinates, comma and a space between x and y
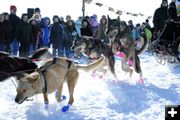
2, 46
32, 48
14, 46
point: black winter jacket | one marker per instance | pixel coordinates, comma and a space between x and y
24, 32
160, 18
14, 21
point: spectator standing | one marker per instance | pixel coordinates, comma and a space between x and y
9, 32
36, 35
160, 17
70, 36
14, 21
102, 30
56, 38
130, 25
24, 35
78, 25
3, 33
86, 28
44, 41
94, 25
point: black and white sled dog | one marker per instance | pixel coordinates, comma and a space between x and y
93, 49
120, 34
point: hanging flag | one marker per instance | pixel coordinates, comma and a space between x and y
149, 17
88, 1
119, 12
99, 4
135, 15
141, 14
111, 9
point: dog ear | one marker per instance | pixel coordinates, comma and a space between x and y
118, 19
109, 19
33, 77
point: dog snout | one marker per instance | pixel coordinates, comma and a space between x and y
16, 100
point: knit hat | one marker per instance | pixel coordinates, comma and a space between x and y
163, 1
13, 7
37, 10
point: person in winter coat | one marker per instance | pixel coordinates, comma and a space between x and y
160, 17
147, 24
147, 31
70, 36
78, 25
174, 29
172, 11
14, 21
3, 33
37, 15
86, 28
102, 30
44, 41
136, 35
136, 32
24, 35
56, 38
9, 32
178, 8
36, 35
94, 25
130, 25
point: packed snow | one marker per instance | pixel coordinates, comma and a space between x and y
103, 98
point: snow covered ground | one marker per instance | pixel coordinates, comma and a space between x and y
97, 99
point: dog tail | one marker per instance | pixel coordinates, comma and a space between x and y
143, 48
41, 53
92, 66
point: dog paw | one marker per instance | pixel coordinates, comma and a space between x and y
63, 97
65, 108
93, 74
141, 81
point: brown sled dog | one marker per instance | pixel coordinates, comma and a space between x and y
119, 32
50, 77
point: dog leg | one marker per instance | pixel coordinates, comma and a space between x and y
126, 68
71, 85
58, 93
46, 101
137, 67
71, 81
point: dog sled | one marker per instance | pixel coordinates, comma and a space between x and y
161, 48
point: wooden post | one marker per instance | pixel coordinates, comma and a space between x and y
83, 8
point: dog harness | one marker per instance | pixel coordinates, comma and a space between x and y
42, 71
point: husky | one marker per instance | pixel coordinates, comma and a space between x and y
93, 49
119, 32
15, 66
50, 77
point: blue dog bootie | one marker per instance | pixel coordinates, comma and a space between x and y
65, 108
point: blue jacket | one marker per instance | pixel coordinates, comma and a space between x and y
45, 32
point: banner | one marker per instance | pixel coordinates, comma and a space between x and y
116, 11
